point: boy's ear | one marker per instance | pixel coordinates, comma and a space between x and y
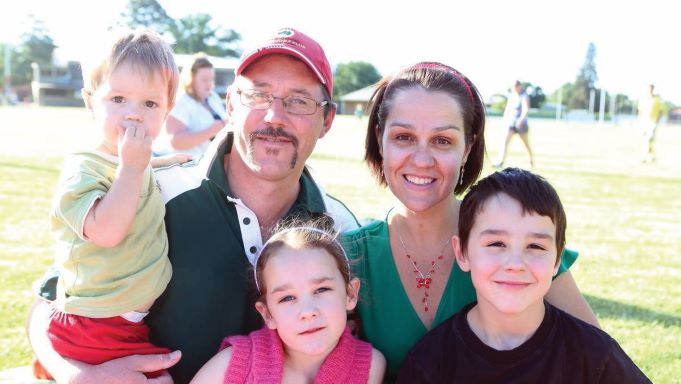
353, 294
557, 266
458, 252
266, 315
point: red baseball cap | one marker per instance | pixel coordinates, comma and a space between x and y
291, 42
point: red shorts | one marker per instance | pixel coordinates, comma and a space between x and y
95, 341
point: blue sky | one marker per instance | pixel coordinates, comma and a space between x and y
493, 42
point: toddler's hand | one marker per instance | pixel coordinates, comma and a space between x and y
134, 147
168, 160
217, 126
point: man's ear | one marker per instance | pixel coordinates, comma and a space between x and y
266, 315
353, 294
460, 257
228, 100
328, 120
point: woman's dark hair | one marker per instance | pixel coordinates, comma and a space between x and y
430, 76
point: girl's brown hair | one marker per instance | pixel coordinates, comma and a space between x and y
299, 234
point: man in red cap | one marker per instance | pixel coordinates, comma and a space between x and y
221, 208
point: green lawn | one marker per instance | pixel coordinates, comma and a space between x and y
624, 217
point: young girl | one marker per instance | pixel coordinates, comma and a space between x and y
303, 278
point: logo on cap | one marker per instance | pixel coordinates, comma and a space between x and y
285, 32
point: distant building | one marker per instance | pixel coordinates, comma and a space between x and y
361, 97
58, 86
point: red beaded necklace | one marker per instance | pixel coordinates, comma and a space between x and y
424, 280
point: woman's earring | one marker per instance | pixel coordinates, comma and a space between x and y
461, 171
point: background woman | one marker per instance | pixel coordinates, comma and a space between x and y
425, 141
199, 113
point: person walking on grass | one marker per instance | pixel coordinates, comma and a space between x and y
515, 120
650, 112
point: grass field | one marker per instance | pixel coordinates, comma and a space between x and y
623, 216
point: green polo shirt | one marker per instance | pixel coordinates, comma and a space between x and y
213, 240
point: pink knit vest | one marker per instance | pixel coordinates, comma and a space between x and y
259, 358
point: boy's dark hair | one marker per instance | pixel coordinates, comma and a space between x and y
532, 191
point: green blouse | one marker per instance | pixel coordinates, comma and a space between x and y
388, 319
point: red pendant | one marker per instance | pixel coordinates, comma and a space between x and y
421, 279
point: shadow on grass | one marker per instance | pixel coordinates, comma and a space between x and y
616, 310
29, 167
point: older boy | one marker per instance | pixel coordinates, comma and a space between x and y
511, 233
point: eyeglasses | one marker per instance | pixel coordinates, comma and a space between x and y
296, 105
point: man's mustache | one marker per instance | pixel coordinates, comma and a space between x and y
274, 132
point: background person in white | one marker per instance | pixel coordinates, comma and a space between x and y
515, 119
199, 113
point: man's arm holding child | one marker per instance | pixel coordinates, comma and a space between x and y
168, 160
122, 370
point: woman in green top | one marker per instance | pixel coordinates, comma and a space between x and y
425, 141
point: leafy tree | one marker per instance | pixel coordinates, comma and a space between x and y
194, 33
623, 104
36, 45
535, 93
585, 82
147, 13
3, 50
498, 102
353, 76
191, 34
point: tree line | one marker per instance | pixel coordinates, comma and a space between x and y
199, 33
